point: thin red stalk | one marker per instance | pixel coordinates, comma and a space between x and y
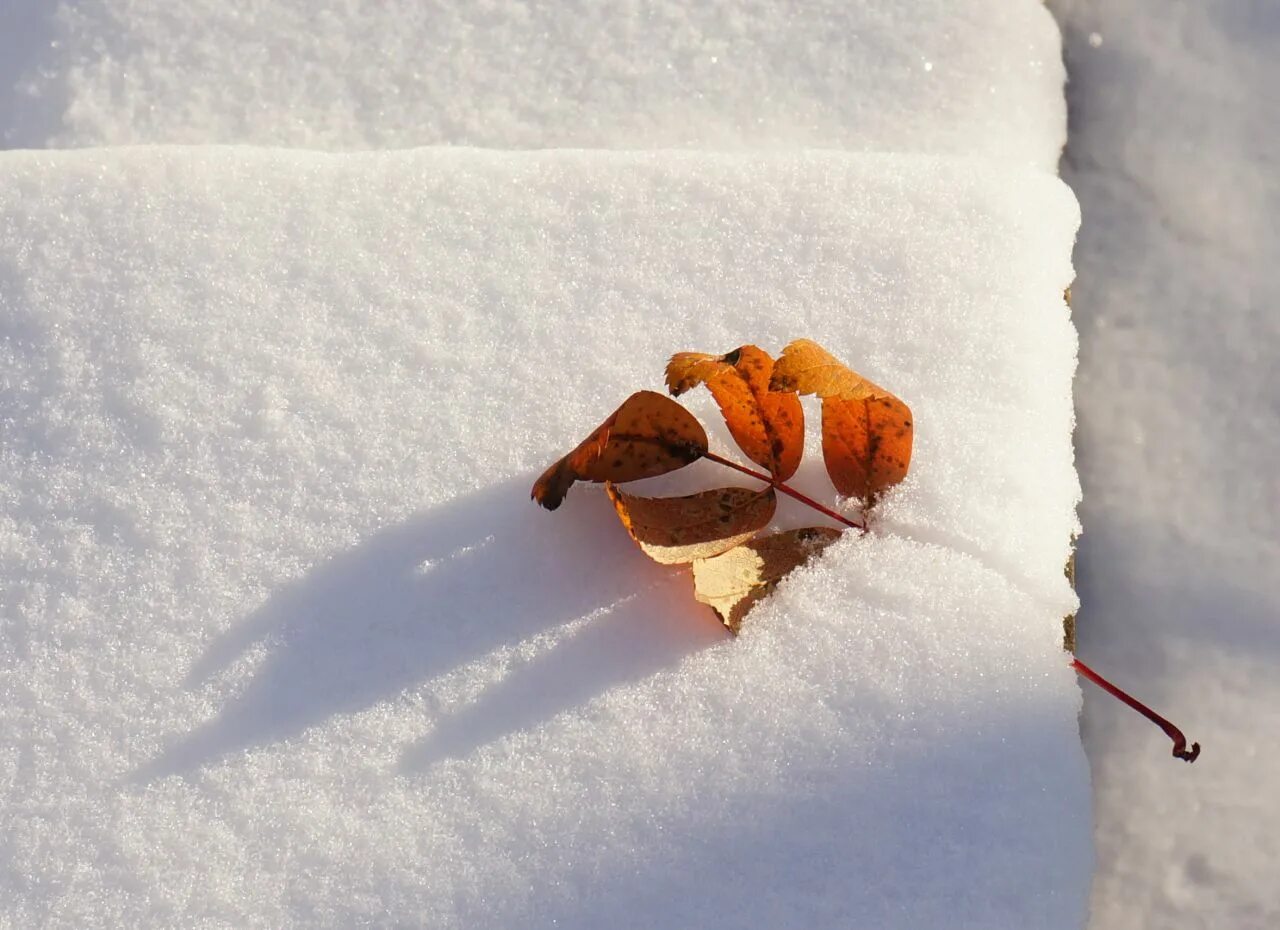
785, 489
1180, 750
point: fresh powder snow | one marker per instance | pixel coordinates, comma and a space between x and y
285, 644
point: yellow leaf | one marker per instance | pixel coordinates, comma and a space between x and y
672, 530
731, 583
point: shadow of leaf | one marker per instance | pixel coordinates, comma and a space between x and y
448, 586
630, 639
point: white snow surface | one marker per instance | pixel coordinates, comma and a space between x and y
285, 644
966, 77
1173, 152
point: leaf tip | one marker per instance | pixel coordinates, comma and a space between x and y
679, 374
552, 485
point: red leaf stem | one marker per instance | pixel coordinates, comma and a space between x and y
1180, 750
786, 489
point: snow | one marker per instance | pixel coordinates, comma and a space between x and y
939, 76
26, 30
1172, 153
285, 643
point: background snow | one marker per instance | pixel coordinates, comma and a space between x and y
290, 645
1173, 153
26, 60
940, 76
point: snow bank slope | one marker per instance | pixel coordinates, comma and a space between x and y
1179, 442
944, 76
286, 644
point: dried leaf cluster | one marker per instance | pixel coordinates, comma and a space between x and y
866, 445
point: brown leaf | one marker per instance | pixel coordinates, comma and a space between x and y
866, 430
671, 530
768, 426
732, 582
648, 435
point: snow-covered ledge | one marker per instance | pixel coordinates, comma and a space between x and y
286, 644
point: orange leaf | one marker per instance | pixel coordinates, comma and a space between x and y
769, 427
732, 582
866, 444
808, 368
648, 435
866, 430
671, 530
686, 370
